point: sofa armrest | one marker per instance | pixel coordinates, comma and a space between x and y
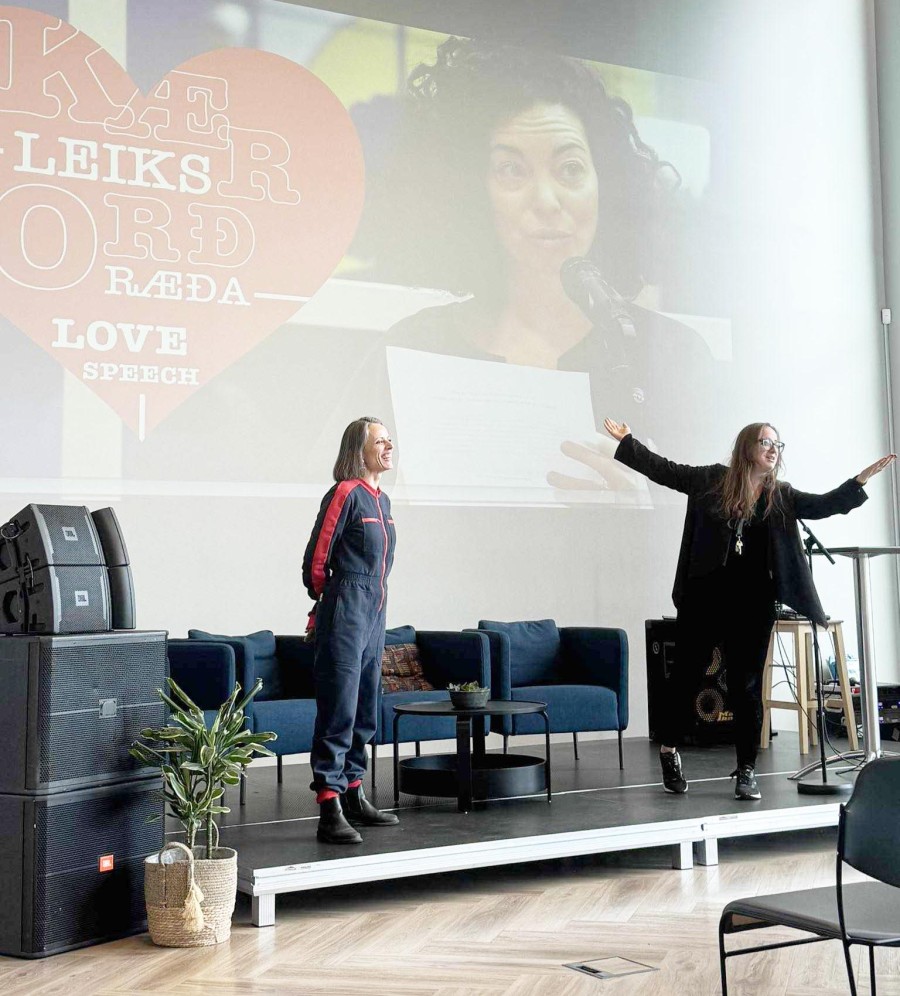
205, 670
498, 650
454, 657
599, 656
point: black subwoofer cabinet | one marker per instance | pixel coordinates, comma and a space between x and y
77, 814
71, 866
71, 706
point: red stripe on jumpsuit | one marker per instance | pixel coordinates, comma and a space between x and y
326, 534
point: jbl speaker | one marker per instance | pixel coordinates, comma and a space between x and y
71, 866
121, 588
711, 719
66, 599
64, 569
72, 705
54, 534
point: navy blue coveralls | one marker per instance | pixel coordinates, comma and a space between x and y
345, 569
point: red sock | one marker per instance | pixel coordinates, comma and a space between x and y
324, 794
356, 784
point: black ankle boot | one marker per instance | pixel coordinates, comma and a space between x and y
333, 828
361, 812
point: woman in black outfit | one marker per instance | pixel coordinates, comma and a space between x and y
740, 553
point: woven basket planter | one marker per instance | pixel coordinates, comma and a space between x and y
190, 899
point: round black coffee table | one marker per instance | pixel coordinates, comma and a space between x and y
471, 774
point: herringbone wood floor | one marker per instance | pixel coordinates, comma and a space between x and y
494, 932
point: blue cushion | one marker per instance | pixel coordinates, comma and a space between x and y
292, 719
399, 634
259, 646
416, 727
570, 708
533, 650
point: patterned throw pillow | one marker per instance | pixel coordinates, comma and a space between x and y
401, 670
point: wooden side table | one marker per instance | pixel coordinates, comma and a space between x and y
801, 631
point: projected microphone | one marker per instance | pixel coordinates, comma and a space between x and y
585, 286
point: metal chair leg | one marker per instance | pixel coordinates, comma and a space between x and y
280, 771
374, 763
850, 976
575, 743
872, 969
418, 749
621, 755
505, 743
243, 788
722, 961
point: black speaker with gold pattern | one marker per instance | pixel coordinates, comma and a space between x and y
712, 720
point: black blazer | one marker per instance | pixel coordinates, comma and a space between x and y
707, 535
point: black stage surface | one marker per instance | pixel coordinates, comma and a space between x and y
596, 808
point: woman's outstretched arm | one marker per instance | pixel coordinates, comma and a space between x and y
678, 476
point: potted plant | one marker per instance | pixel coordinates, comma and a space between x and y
468, 695
190, 900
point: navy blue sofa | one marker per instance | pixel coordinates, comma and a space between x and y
206, 666
580, 672
447, 657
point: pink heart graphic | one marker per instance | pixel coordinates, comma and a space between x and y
147, 242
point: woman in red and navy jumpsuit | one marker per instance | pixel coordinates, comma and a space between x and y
345, 570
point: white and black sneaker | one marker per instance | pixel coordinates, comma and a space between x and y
746, 787
673, 776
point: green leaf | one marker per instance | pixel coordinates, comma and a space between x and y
185, 698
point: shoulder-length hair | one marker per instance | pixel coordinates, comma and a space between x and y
350, 464
737, 493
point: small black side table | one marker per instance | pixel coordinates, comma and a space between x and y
470, 773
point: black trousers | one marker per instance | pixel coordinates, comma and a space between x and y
739, 622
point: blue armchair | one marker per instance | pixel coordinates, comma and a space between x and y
446, 657
580, 672
206, 666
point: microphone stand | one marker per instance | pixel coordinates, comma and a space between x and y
823, 787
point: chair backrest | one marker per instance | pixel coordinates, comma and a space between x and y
534, 650
871, 822
255, 656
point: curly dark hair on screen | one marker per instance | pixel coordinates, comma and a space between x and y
474, 86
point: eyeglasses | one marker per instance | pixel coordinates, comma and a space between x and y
769, 444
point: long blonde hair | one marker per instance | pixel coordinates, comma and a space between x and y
737, 492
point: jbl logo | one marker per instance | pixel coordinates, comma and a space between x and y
69, 534
106, 862
81, 599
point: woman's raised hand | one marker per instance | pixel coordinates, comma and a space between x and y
619, 430
876, 468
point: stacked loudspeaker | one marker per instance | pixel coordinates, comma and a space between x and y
64, 569
76, 811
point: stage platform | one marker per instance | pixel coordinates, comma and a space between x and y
596, 808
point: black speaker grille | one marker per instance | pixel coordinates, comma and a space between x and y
69, 600
72, 830
73, 900
71, 532
95, 698
84, 906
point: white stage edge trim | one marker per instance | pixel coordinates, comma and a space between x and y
702, 833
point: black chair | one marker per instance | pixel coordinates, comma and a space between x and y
866, 913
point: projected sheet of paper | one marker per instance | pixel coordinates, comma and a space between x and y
475, 430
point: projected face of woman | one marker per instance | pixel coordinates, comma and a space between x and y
543, 187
